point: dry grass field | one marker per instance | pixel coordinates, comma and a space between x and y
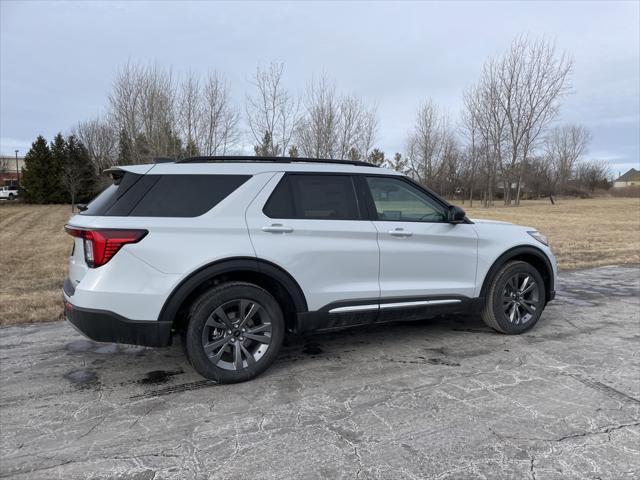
582, 232
34, 247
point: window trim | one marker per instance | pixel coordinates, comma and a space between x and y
373, 212
360, 208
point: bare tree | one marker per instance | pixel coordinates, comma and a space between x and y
335, 126
471, 117
532, 80
100, 140
157, 112
272, 109
593, 174
143, 110
426, 143
124, 101
190, 112
219, 126
564, 145
317, 132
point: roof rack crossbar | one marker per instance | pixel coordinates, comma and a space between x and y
248, 159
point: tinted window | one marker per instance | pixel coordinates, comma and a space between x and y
110, 196
397, 200
317, 197
186, 195
164, 195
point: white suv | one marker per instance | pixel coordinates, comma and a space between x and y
234, 252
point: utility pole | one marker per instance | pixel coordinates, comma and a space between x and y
17, 169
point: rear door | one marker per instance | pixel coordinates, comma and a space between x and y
313, 226
424, 260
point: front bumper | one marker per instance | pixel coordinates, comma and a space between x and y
105, 326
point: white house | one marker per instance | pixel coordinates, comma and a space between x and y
629, 179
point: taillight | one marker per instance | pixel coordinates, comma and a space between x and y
101, 244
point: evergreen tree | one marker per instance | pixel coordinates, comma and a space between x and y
191, 149
398, 163
174, 144
266, 147
79, 175
354, 154
293, 151
376, 157
34, 175
142, 151
54, 192
126, 152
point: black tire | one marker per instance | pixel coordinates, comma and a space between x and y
507, 309
230, 305
11, 196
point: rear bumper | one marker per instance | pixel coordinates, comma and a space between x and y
105, 326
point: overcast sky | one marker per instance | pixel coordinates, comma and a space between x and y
58, 59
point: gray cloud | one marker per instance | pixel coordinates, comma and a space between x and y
58, 58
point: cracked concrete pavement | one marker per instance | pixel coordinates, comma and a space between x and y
443, 398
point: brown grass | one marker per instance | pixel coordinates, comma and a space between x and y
34, 248
34, 252
582, 232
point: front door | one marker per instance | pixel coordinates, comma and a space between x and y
424, 260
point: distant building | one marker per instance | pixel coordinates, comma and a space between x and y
8, 174
629, 179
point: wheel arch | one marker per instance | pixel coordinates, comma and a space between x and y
526, 253
263, 273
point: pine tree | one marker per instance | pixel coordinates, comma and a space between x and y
54, 192
34, 174
398, 163
266, 147
142, 151
126, 152
354, 154
78, 175
293, 151
376, 157
191, 149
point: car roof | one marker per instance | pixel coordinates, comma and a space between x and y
254, 166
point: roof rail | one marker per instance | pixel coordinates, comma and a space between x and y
163, 160
249, 159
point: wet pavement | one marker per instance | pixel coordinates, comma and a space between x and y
444, 398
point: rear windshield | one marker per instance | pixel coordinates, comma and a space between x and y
163, 195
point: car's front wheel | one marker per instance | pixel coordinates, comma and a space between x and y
515, 298
235, 332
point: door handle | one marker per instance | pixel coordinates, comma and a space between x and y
277, 228
400, 232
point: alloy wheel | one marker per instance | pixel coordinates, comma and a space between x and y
237, 334
520, 298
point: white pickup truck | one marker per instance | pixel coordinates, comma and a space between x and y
8, 193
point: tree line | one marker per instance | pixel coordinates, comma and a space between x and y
505, 144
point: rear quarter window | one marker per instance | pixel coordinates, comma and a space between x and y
164, 195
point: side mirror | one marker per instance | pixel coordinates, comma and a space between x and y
456, 214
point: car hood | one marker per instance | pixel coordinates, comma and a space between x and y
494, 222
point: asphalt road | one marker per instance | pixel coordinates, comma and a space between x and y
444, 398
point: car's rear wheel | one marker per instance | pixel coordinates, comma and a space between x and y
235, 332
515, 298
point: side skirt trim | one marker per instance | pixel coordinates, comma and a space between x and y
344, 314
354, 308
420, 303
